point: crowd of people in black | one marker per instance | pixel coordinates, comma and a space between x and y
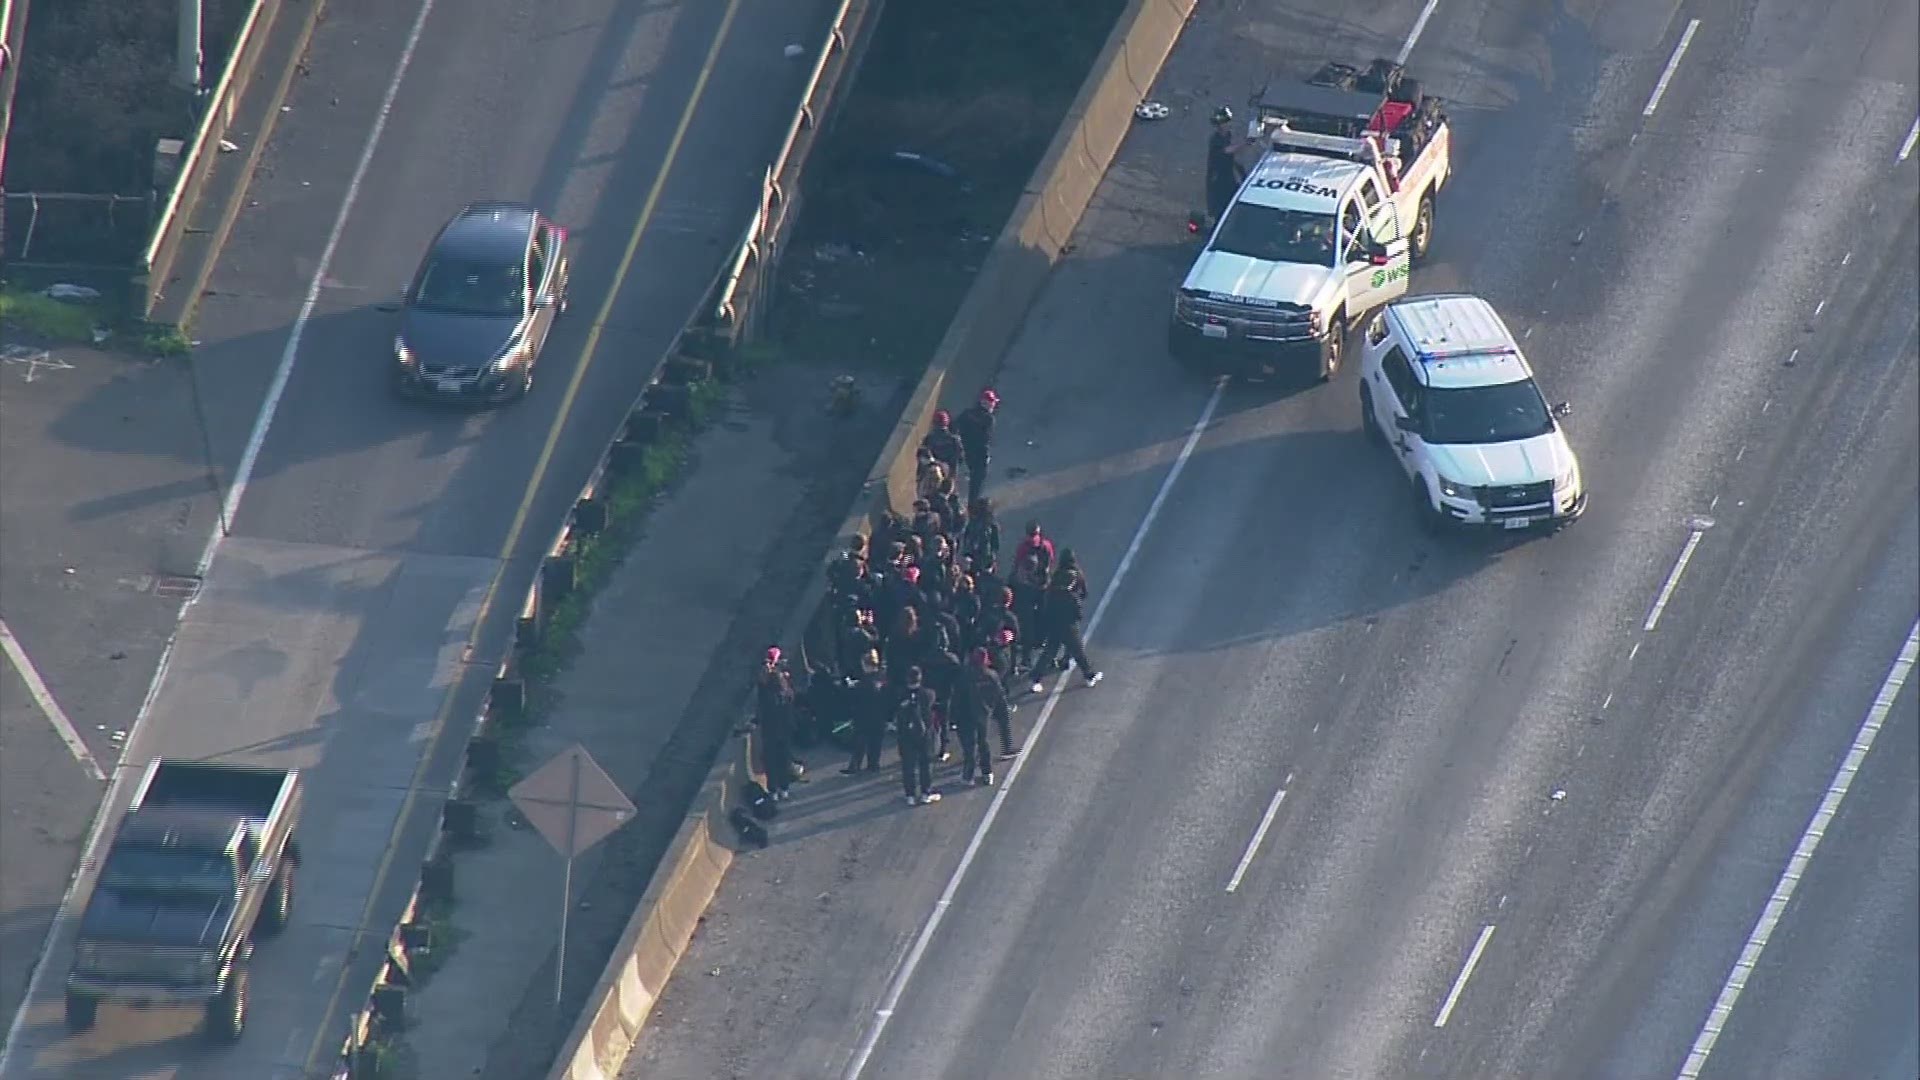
933, 633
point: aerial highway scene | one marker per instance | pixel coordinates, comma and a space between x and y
1353, 801
1456, 490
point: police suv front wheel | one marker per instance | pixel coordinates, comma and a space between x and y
1428, 515
1369, 423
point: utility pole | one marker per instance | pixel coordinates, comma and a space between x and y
13, 41
186, 70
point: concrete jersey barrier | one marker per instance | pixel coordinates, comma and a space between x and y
156, 261
1008, 283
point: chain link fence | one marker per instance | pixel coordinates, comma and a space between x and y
45, 232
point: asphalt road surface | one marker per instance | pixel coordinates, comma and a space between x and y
342, 626
1713, 257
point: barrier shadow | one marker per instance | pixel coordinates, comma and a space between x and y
1247, 539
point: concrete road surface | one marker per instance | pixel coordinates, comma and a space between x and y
105, 506
1334, 761
343, 626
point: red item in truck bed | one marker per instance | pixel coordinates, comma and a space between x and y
1391, 115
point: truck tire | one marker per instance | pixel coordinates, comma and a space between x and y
1336, 351
277, 909
227, 1013
1421, 241
81, 1012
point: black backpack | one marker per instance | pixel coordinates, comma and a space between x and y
909, 717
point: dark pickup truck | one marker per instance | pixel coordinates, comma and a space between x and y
202, 863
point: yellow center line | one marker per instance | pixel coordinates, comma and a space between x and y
321, 1038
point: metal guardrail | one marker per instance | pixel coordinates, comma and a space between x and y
156, 259
766, 228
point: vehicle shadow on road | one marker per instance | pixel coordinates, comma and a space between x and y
1265, 535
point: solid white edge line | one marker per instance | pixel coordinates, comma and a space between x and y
43, 697
1460, 980
897, 986
1259, 834
1673, 580
1783, 889
1913, 136
1419, 27
248, 457
1673, 65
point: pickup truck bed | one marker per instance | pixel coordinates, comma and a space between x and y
177, 785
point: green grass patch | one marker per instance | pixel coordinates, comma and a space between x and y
444, 937
883, 252
386, 1057
164, 341
49, 319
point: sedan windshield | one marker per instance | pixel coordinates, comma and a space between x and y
459, 287
1486, 414
1271, 234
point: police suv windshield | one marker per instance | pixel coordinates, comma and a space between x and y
1507, 412
1271, 234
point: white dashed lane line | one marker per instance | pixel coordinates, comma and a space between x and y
1466, 972
1673, 65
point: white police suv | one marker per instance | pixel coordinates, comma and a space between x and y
1445, 385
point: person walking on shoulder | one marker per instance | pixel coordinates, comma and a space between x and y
975, 429
1064, 612
776, 719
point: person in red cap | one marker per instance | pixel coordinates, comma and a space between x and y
775, 718
1032, 569
975, 429
979, 696
942, 443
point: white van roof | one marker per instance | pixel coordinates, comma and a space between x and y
1459, 340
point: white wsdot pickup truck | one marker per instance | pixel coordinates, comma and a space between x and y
1325, 227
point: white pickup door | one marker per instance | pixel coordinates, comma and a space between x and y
1374, 250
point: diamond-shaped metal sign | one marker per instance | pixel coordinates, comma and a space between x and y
572, 801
